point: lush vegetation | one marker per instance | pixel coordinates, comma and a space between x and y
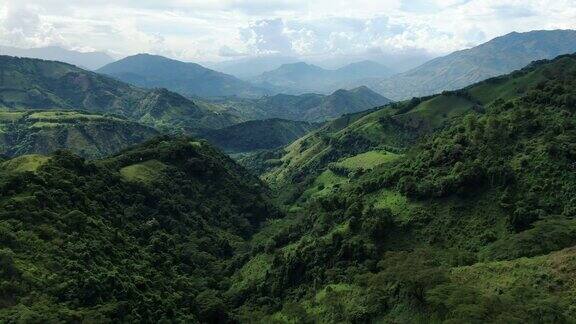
456, 208
149, 235
473, 224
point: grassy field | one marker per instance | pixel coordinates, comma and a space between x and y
367, 160
143, 172
25, 163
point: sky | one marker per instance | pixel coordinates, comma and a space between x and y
216, 30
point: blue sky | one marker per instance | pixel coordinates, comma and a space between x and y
201, 30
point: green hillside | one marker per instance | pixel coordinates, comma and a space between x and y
86, 134
474, 223
453, 208
37, 84
257, 135
148, 235
394, 127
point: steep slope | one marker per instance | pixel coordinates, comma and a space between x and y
145, 236
306, 107
38, 84
257, 134
392, 128
499, 56
189, 79
298, 78
475, 223
89, 135
87, 60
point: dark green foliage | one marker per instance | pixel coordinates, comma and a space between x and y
257, 135
82, 242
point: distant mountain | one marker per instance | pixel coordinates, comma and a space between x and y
250, 67
88, 135
305, 107
459, 69
87, 60
189, 79
258, 134
37, 84
298, 78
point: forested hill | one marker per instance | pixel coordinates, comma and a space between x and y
475, 223
148, 235
37, 84
258, 134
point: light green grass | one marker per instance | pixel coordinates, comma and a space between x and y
323, 185
143, 172
25, 163
398, 204
10, 116
367, 160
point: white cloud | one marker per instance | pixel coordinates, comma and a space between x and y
216, 29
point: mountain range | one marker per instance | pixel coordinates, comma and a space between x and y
37, 84
87, 60
300, 77
498, 56
188, 79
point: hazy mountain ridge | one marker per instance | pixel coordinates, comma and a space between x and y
299, 78
306, 107
499, 56
189, 79
88, 60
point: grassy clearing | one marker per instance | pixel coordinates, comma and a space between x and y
143, 172
25, 163
367, 160
323, 185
